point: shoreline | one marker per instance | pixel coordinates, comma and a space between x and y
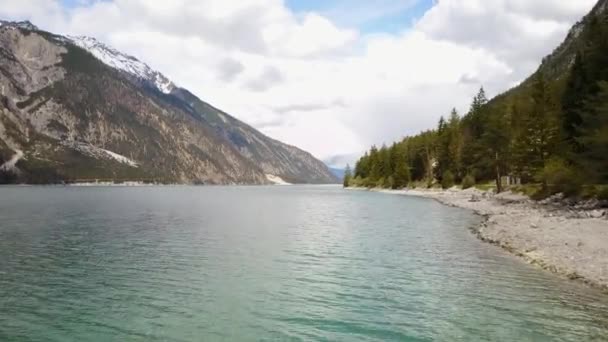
570, 242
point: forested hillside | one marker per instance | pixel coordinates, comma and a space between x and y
552, 130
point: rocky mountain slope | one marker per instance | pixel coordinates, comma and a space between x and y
557, 63
74, 109
556, 66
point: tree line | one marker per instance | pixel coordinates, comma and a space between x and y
550, 132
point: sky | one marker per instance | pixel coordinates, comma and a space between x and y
330, 76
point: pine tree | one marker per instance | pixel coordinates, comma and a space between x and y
362, 167
401, 175
541, 136
428, 154
496, 139
577, 88
455, 145
473, 125
385, 162
443, 149
589, 68
375, 170
347, 176
593, 135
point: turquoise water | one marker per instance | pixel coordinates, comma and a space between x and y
268, 263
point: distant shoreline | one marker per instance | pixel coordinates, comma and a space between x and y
145, 184
572, 243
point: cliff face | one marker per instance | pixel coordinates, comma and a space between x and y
558, 63
555, 68
73, 109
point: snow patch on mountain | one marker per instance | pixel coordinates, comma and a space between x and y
11, 163
276, 180
99, 153
120, 158
124, 62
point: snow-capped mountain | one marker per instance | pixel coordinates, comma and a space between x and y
124, 62
74, 109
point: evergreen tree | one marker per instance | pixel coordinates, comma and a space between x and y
473, 125
443, 149
541, 125
375, 171
476, 114
496, 138
455, 145
362, 168
577, 88
385, 162
401, 175
593, 135
347, 176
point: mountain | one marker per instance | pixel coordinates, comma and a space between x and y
74, 109
339, 173
124, 62
558, 63
556, 66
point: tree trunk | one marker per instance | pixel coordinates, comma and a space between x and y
498, 181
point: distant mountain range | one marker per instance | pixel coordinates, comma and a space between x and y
339, 173
74, 109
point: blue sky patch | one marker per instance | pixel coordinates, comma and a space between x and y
367, 16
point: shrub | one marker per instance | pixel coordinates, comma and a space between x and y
602, 194
468, 181
356, 182
447, 180
559, 176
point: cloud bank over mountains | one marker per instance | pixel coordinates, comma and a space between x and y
312, 80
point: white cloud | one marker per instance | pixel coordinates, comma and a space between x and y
310, 82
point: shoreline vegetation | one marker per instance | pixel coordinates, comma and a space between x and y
566, 238
548, 135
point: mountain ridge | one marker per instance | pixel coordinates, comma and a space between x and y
124, 62
99, 112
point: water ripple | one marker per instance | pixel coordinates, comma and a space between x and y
191, 263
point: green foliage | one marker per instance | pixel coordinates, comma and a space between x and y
348, 175
551, 129
528, 189
558, 176
602, 193
577, 89
80, 60
488, 186
593, 136
447, 180
449, 146
468, 181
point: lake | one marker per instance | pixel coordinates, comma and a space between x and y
300, 263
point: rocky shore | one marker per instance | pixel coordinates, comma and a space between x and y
570, 239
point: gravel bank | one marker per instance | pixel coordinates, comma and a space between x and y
570, 241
